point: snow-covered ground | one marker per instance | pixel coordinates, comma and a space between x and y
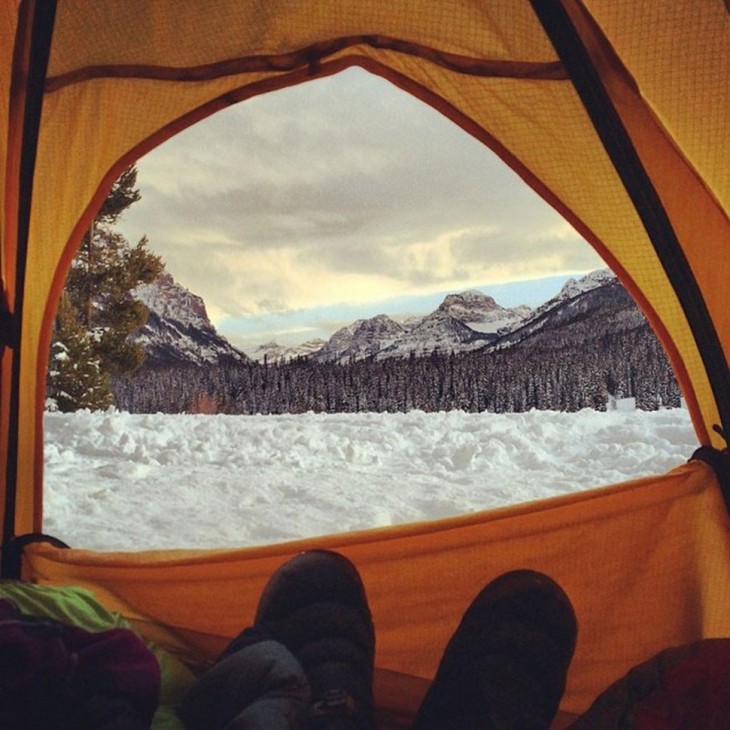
116, 481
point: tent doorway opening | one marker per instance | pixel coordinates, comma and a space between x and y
340, 204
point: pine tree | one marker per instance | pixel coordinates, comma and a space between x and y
103, 276
75, 372
98, 297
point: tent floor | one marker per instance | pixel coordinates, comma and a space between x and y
398, 696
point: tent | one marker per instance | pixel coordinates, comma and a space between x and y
616, 113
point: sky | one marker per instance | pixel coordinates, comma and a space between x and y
297, 212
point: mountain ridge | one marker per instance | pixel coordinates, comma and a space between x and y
463, 321
178, 329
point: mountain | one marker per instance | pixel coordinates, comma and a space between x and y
363, 338
438, 332
465, 321
178, 329
471, 320
480, 312
571, 290
596, 304
274, 352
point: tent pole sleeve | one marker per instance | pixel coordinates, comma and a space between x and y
41, 14
613, 134
720, 462
13, 563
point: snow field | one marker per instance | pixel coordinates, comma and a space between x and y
117, 481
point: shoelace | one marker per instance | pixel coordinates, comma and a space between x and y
334, 702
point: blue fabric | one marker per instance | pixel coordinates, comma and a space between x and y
259, 687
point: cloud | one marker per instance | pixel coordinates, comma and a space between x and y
339, 191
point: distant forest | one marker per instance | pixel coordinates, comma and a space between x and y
584, 368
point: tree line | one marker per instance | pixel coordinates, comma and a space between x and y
562, 374
605, 352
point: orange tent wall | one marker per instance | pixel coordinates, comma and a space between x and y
123, 77
645, 564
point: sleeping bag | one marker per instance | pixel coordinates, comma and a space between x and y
57, 675
683, 687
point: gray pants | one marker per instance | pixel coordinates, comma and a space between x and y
259, 687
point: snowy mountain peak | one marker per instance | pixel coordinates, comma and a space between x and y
274, 352
575, 287
178, 328
166, 298
363, 338
469, 299
581, 298
480, 312
380, 323
438, 332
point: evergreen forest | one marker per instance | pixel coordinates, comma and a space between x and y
560, 373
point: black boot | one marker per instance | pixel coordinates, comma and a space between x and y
315, 605
506, 665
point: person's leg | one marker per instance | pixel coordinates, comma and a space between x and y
260, 686
505, 666
307, 661
316, 606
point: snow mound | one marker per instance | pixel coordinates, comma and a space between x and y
117, 481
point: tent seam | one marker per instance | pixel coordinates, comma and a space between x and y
311, 55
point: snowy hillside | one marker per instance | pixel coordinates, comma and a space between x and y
572, 290
116, 481
595, 306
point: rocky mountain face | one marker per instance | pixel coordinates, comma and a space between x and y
363, 338
480, 312
597, 301
462, 322
178, 329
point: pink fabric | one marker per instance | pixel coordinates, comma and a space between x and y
56, 671
695, 693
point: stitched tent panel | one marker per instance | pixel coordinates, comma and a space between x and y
677, 69
645, 564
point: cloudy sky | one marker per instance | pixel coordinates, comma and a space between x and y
297, 212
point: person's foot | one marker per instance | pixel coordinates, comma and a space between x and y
505, 666
315, 604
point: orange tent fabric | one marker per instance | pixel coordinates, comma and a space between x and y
617, 113
645, 564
